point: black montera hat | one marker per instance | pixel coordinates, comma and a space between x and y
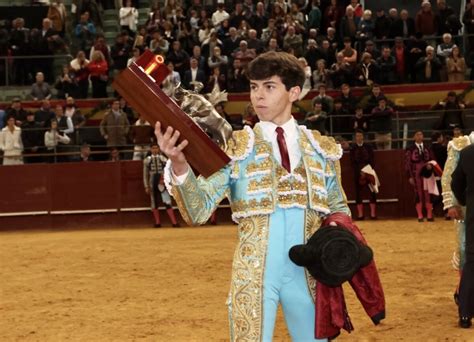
332, 255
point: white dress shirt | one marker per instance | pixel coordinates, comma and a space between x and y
269, 134
291, 138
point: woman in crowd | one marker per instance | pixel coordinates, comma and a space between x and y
52, 138
99, 76
66, 83
128, 16
456, 65
81, 72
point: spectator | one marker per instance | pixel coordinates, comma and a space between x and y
236, 124
253, 42
468, 21
297, 16
78, 120
349, 53
273, 45
98, 70
307, 71
58, 15
79, 66
92, 8
456, 66
40, 89
382, 124
457, 132
179, 57
293, 41
314, 16
193, 76
357, 7
416, 50
443, 17
85, 33
85, 154
11, 143
101, 45
370, 48
135, 55
428, 67
114, 126
452, 113
237, 15
400, 53
340, 72
312, 54
316, 119
361, 155
231, 43
349, 24
202, 60
387, 66
219, 15
46, 43
327, 52
65, 124
19, 43
207, 47
259, 19
128, 16
205, 31
237, 80
124, 107
382, 25
366, 71
269, 31
338, 119
2, 118
444, 49
373, 101
217, 59
321, 74
250, 117
327, 102
44, 114
171, 81
54, 141
404, 26
16, 110
142, 40
425, 22
159, 45
32, 138
66, 84
348, 100
141, 136
120, 52
360, 122
366, 27
114, 155
332, 16
244, 54
439, 148
216, 82
392, 15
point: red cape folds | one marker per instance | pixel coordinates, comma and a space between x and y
331, 311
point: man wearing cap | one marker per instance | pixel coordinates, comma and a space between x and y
462, 185
457, 210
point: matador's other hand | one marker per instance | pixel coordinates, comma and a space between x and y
167, 143
455, 213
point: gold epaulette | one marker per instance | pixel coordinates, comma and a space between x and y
459, 143
326, 145
241, 144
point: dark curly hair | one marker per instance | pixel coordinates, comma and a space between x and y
280, 64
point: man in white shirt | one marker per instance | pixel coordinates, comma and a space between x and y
219, 15
282, 180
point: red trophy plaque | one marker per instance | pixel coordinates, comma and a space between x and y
139, 84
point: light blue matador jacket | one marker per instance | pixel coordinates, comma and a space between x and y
454, 149
256, 186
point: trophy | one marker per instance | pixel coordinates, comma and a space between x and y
140, 83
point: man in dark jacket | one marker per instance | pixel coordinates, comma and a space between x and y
462, 185
32, 136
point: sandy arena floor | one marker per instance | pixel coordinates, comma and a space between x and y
171, 285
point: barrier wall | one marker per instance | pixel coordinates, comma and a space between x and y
103, 194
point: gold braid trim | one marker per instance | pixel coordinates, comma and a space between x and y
312, 223
246, 293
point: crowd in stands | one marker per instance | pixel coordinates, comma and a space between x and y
339, 44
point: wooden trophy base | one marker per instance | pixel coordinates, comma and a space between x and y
144, 94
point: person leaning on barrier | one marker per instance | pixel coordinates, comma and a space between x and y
11, 143
32, 133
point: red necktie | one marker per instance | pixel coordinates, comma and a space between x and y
285, 158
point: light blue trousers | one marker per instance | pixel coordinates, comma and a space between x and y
285, 282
